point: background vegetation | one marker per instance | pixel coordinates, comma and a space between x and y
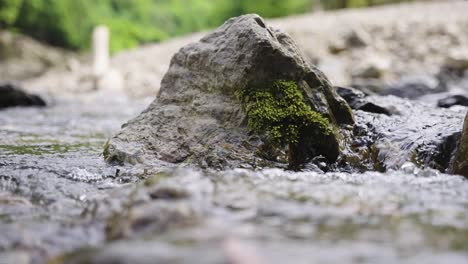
68, 23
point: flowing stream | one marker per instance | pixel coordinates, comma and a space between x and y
57, 196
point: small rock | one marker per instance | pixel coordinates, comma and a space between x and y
356, 99
414, 86
351, 95
453, 100
373, 108
11, 96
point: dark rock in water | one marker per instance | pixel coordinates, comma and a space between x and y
412, 87
460, 162
453, 100
373, 108
437, 154
357, 100
11, 95
418, 133
199, 116
350, 95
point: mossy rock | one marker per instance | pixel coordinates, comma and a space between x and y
279, 112
205, 114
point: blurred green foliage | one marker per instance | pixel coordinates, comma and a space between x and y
68, 23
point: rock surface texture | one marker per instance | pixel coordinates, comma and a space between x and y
198, 117
460, 164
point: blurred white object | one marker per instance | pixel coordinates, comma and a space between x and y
104, 77
100, 50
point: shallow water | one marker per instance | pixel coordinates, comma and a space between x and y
50, 167
58, 196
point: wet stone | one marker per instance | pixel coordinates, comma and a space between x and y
11, 95
357, 100
413, 87
199, 117
415, 132
453, 100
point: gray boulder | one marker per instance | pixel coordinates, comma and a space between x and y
198, 117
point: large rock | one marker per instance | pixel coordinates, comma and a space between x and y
198, 117
460, 163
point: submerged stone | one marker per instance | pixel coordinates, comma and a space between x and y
199, 117
449, 101
414, 86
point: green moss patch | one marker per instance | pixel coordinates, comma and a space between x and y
278, 111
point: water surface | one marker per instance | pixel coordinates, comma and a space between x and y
58, 196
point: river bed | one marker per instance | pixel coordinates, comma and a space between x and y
60, 202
